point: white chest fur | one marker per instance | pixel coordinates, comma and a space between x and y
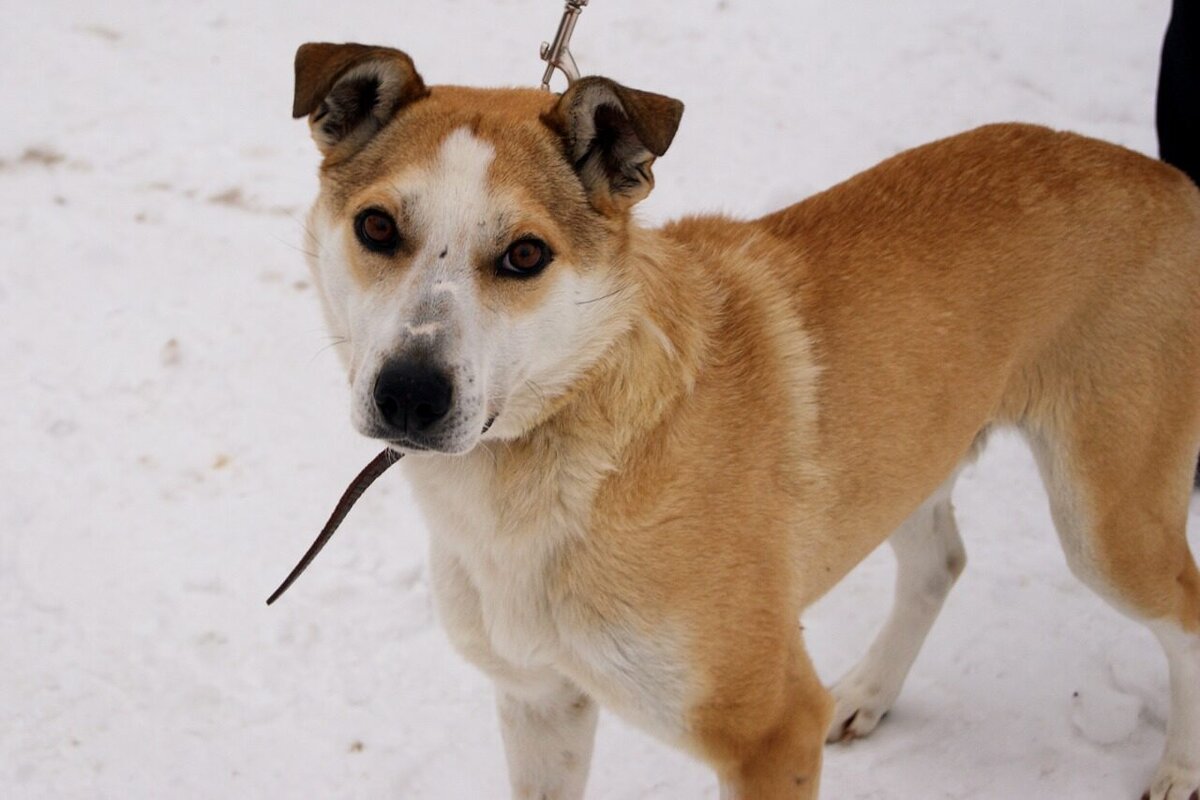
496, 562
503, 547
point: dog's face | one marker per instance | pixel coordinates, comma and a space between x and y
467, 243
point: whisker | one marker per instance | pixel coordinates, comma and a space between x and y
338, 341
616, 291
312, 237
309, 253
541, 393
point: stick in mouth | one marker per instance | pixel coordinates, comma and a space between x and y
370, 472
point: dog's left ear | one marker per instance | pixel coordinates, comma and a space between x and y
350, 91
612, 135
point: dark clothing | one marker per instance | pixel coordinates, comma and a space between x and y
1178, 114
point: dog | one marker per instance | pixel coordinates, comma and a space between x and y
642, 453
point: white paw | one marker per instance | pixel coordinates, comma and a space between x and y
862, 699
1174, 783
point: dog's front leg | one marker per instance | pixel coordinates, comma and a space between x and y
547, 723
763, 728
548, 729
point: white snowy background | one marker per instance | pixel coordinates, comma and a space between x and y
174, 428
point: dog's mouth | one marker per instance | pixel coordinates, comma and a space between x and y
401, 445
408, 444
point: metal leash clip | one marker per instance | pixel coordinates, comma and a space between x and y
558, 55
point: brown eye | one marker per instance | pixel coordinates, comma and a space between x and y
525, 257
377, 231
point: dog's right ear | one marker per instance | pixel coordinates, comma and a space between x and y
350, 91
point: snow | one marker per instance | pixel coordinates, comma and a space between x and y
175, 427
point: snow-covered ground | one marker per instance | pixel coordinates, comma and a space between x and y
174, 428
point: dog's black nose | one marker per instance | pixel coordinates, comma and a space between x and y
412, 396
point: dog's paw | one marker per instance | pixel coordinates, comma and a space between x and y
1174, 783
861, 701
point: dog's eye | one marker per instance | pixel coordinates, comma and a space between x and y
525, 257
377, 230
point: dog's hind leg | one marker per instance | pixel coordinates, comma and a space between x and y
1178, 774
1119, 492
929, 556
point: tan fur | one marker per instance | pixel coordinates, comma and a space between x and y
768, 400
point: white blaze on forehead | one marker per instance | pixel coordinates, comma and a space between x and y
449, 202
457, 197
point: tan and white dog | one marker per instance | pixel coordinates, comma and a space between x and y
642, 453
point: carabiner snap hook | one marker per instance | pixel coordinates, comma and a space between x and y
557, 55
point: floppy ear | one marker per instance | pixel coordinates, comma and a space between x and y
612, 135
350, 91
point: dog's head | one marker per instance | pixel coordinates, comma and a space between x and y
468, 242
